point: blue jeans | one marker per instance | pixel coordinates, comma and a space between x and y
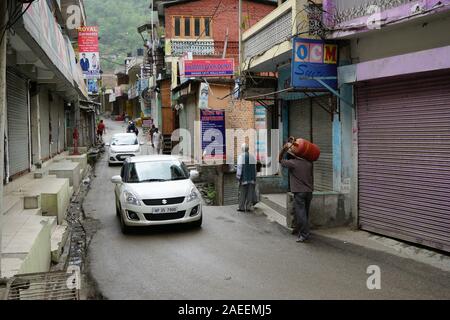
302, 204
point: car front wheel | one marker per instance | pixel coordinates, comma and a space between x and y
198, 223
123, 227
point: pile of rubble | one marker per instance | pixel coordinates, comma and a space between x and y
208, 192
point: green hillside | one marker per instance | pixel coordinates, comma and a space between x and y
118, 21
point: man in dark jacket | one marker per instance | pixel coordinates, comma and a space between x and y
302, 186
84, 63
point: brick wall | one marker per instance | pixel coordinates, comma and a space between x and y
226, 15
240, 114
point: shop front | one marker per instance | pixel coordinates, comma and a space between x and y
404, 157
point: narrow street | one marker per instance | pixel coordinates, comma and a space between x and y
238, 256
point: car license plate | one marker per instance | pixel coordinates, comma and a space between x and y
164, 210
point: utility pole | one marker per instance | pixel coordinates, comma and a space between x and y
3, 19
153, 102
240, 37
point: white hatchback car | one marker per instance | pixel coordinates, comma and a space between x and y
123, 146
156, 190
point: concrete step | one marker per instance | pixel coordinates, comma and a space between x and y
275, 202
11, 204
25, 244
67, 170
58, 240
81, 159
32, 212
272, 214
54, 195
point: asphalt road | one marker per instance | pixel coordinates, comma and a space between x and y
239, 256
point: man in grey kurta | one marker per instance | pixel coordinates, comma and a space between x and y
302, 186
246, 175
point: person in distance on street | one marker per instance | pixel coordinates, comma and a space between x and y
246, 175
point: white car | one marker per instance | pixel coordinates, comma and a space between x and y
156, 190
123, 146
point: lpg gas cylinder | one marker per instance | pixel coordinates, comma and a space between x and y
304, 149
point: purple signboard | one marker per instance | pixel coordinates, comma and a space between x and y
213, 134
208, 67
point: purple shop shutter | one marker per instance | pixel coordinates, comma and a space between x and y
404, 159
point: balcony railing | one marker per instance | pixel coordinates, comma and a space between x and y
341, 11
203, 48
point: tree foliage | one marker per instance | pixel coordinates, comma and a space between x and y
118, 21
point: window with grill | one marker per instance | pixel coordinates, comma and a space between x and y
177, 26
192, 27
197, 26
187, 27
207, 27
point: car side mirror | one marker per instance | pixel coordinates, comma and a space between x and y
141, 143
194, 174
107, 144
116, 179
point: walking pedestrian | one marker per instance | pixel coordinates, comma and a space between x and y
301, 184
157, 141
152, 131
246, 175
101, 129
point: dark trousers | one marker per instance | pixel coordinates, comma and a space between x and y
247, 196
302, 204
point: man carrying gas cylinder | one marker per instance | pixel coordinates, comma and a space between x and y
298, 156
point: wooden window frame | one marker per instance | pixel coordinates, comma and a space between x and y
192, 27
174, 26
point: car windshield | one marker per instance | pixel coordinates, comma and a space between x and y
153, 171
124, 140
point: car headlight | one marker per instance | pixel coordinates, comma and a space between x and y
130, 198
193, 195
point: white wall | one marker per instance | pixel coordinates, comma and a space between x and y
403, 39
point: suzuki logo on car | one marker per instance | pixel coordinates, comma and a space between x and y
164, 201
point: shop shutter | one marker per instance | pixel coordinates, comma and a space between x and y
301, 118
323, 137
44, 110
18, 124
62, 128
404, 159
54, 106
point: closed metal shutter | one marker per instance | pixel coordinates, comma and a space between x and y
300, 119
62, 128
309, 121
404, 159
54, 125
323, 137
44, 110
18, 124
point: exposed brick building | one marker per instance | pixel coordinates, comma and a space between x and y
206, 28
